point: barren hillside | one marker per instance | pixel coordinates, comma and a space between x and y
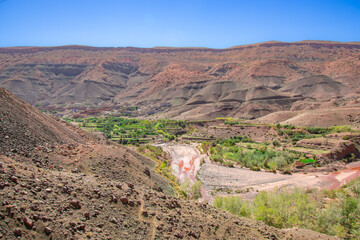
61, 185
247, 81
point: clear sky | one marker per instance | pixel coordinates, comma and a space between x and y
177, 23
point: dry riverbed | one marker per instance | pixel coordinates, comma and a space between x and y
218, 179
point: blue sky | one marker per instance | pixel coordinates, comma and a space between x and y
177, 23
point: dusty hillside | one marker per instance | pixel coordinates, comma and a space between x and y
315, 117
245, 81
50, 143
97, 191
22, 127
39, 203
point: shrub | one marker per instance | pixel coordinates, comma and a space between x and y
317, 130
262, 149
338, 129
286, 170
246, 139
205, 146
229, 164
276, 143
163, 165
156, 150
216, 158
141, 149
234, 205
196, 190
254, 168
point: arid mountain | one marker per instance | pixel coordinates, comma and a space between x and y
247, 81
23, 127
319, 117
61, 185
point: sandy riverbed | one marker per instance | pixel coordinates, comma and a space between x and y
186, 165
185, 161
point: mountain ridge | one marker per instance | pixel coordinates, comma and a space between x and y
266, 43
151, 78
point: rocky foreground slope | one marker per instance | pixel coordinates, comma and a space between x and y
193, 83
81, 188
22, 127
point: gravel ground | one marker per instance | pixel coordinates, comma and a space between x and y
186, 164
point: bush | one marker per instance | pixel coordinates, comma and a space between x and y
141, 149
317, 130
338, 129
163, 165
254, 168
262, 149
216, 158
156, 150
234, 205
276, 143
205, 146
229, 164
247, 139
196, 190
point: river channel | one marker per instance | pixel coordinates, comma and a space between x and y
186, 164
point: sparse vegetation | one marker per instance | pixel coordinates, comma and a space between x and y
131, 130
276, 143
226, 151
317, 130
295, 135
163, 165
195, 190
230, 121
339, 129
331, 212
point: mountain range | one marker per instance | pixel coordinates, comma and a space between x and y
248, 81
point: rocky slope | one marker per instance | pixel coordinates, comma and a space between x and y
193, 83
313, 116
82, 189
23, 127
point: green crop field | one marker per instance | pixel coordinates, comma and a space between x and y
308, 160
131, 130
